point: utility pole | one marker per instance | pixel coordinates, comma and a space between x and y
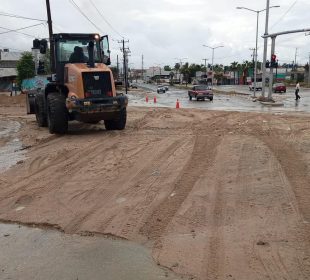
125, 64
253, 62
295, 65
50, 31
265, 50
309, 71
205, 60
142, 69
117, 67
273, 40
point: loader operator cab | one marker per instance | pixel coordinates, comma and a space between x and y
79, 48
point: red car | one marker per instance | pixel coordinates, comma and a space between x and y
279, 87
200, 92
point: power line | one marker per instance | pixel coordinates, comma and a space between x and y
10, 30
284, 15
106, 21
18, 16
16, 30
78, 8
2, 47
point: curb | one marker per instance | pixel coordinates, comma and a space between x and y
273, 104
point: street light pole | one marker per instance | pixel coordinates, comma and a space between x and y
213, 48
255, 65
265, 45
180, 59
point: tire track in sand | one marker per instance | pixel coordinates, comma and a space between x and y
295, 169
140, 175
198, 163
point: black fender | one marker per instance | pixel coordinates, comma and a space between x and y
30, 101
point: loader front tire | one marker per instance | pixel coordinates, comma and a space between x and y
119, 123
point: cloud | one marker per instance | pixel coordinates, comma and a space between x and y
164, 30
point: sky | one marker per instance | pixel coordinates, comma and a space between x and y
167, 31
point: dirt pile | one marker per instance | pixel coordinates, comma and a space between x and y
18, 100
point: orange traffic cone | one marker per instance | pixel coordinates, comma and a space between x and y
146, 99
177, 105
155, 100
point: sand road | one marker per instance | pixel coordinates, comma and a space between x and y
216, 195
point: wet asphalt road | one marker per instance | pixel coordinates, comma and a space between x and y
37, 254
235, 102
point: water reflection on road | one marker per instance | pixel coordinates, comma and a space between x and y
223, 100
11, 148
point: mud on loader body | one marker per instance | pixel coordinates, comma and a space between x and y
82, 88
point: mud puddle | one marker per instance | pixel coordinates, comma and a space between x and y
11, 148
33, 253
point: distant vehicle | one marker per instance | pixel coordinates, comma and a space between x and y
133, 86
166, 87
259, 86
200, 92
161, 89
279, 87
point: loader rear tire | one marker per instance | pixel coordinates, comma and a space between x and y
40, 111
57, 113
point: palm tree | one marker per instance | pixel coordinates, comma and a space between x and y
177, 67
234, 68
245, 70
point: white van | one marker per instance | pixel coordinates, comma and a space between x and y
259, 86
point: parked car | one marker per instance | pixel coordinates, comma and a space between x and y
161, 89
279, 87
200, 92
133, 86
259, 86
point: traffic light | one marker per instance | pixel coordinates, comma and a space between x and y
273, 60
40, 45
36, 44
43, 46
41, 68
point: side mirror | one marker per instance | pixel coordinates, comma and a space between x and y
106, 59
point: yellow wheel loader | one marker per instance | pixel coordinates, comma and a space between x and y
81, 87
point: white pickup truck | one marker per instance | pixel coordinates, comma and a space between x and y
259, 86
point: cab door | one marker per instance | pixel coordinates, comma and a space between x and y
105, 50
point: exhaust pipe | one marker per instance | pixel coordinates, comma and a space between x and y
91, 62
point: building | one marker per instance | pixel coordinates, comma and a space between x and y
8, 72
158, 74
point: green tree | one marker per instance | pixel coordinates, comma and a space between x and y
25, 68
167, 68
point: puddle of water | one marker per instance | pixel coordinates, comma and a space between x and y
11, 152
32, 253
